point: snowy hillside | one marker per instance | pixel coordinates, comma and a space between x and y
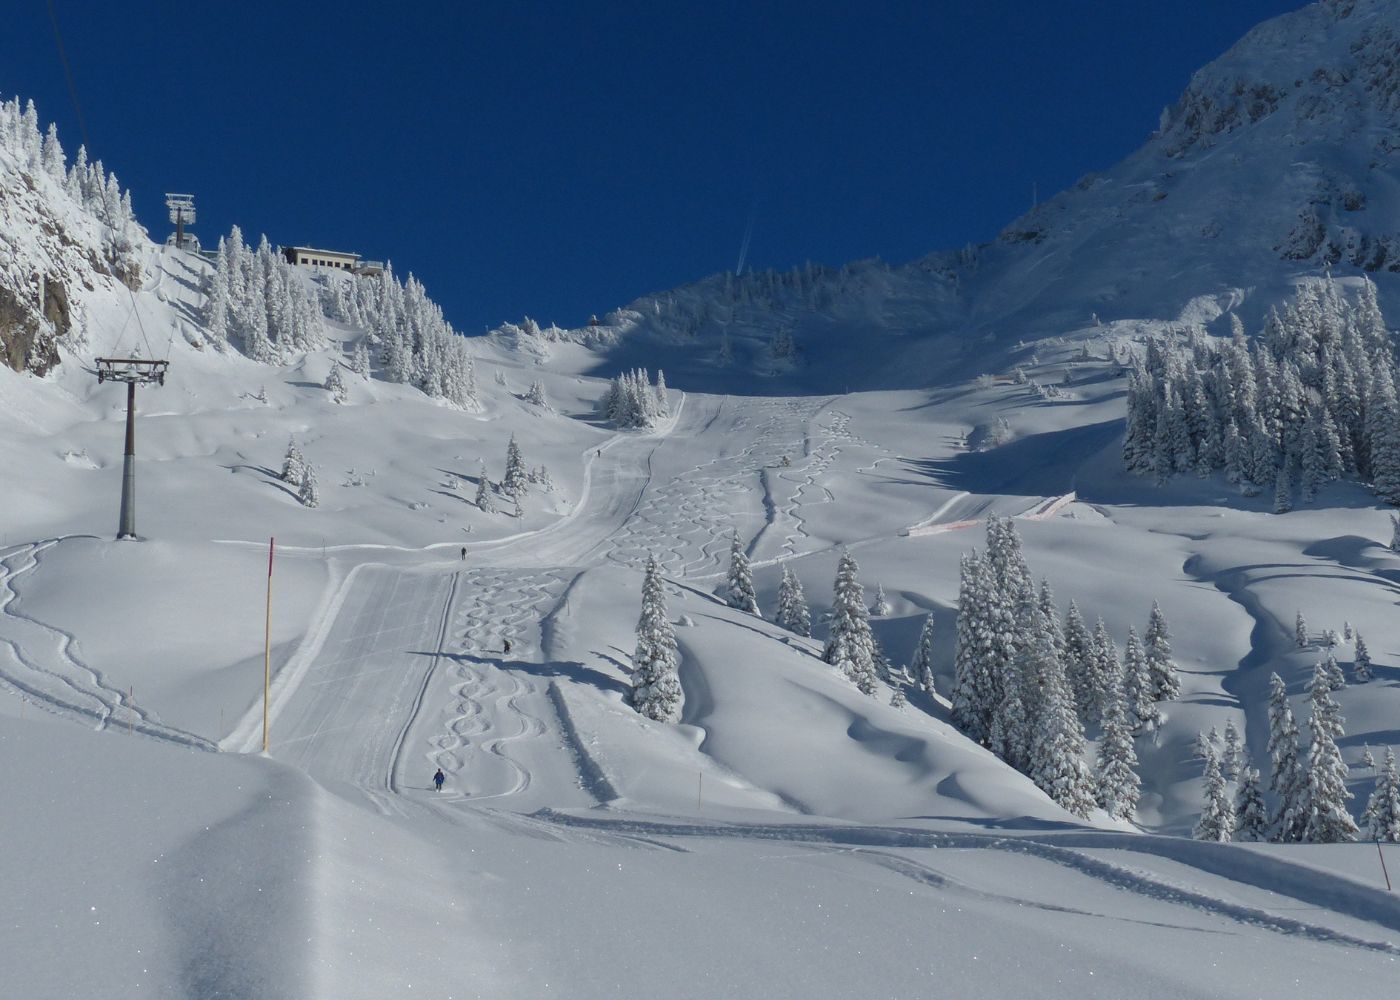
856, 662
1279, 159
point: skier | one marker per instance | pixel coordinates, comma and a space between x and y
506, 644
464, 553
438, 779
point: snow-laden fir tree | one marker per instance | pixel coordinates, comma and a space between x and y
922, 665
897, 699
1381, 819
359, 359
656, 685
309, 494
1080, 662
1139, 708
1283, 491
738, 590
535, 394
1348, 633
1325, 795
1051, 620
483, 491
1057, 746
1231, 756
335, 383
631, 400
663, 407
1106, 670
1300, 631
1200, 746
1336, 680
1366, 759
881, 605
515, 482
973, 695
1217, 822
1118, 783
1394, 533
793, 613
1361, 660
850, 645
293, 464
1251, 815
1286, 777
1166, 686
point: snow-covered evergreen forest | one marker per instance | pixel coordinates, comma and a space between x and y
1309, 400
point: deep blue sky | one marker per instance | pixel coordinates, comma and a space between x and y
562, 158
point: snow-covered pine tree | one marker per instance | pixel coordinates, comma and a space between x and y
1118, 783
359, 359
1080, 664
1056, 748
897, 699
535, 394
1107, 668
656, 685
1325, 795
1251, 815
881, 605
739, 592
1366, 759
1286, 777
515, 482
793, 613
663, 406
1361, 660
922, 665
293, 465
483, 491
1231, 756
1051, 621
850, 644
1300, 631
309, 494
1139, 708
1166, 686
335, 384
1336, 680
1394, 533
1217, 822
1382, 816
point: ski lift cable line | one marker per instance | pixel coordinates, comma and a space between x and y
82, 129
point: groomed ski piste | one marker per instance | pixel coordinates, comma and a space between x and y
789, 836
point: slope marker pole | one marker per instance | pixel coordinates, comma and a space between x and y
1383, 868
267, 640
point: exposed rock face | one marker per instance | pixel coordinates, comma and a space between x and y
64, 233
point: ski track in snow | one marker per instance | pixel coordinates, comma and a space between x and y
1318, 890
488, 714
49, 672
686, 523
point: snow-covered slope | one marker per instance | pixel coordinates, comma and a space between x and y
789, 835
1280, 158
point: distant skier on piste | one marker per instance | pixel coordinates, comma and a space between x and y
506, 644
438, 779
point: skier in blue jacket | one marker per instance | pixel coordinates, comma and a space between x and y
438, 779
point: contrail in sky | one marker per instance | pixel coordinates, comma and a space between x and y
744, 250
